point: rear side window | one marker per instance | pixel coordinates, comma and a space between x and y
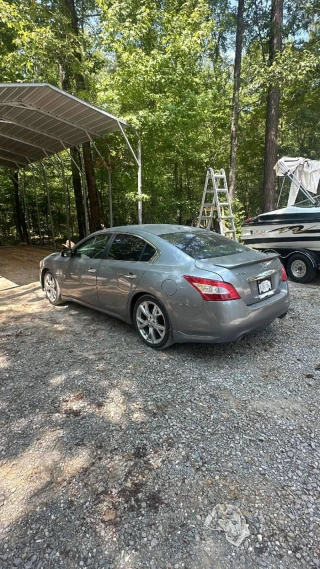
204, 245
130, 248
147, 253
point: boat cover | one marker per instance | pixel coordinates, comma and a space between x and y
306, 172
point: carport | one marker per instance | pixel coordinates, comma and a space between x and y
38, 121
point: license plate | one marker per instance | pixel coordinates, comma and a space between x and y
264, 286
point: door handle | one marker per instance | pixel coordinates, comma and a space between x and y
91, 270
130, 276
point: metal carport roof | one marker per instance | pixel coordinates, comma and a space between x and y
38, 120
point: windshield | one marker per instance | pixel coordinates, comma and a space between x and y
204, 245
307, 203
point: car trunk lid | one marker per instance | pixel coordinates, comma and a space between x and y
255, 277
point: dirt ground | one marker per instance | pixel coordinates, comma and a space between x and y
114, 455
21, 264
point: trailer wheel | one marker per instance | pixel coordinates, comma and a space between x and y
300, 268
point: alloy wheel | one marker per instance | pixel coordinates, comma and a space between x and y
151, 322
50, 287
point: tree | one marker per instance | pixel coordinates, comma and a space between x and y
235, 101
273, 102
18, 213
95, 213
164, 67
160, 77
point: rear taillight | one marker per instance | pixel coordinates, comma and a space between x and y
213, 290
283, 273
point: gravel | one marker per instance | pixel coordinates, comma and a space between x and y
112, 455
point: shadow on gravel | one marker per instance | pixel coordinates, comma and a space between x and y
112, 454
19, 292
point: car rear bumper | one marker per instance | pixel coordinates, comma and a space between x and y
220, 322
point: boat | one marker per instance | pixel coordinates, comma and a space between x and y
293, 231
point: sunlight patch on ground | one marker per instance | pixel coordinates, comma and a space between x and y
4, 361
115, 408
5, 284
39, 467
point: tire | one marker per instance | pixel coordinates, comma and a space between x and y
52, 289
152, 323
300, 268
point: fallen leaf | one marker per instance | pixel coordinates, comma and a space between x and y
78, 396
109, 515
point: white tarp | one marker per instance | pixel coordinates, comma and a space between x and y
306, 172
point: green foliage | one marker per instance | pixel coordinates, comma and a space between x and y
166, 68
239, 215
160, 79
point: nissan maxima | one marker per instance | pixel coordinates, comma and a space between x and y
173, 283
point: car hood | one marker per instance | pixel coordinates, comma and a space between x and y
51, 257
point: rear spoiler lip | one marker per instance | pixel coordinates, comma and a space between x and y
244, 263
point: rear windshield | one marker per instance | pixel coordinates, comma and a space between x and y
204, 245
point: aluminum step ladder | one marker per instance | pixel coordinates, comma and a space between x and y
215, 198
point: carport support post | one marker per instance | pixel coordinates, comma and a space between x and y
49, 203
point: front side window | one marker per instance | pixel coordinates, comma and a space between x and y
127, 247
94, 247
204, 245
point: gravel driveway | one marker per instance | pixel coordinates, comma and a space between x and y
113, 455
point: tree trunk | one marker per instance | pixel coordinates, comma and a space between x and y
270, 156
18, 213
78, 194
273, 102
76, 178
95, 215
235, 101
95, 209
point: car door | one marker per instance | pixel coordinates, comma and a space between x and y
80, 271
120, 273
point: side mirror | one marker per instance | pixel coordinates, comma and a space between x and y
66, 253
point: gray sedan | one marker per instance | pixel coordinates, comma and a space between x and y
173, 283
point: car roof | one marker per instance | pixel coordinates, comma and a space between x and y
153, 228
